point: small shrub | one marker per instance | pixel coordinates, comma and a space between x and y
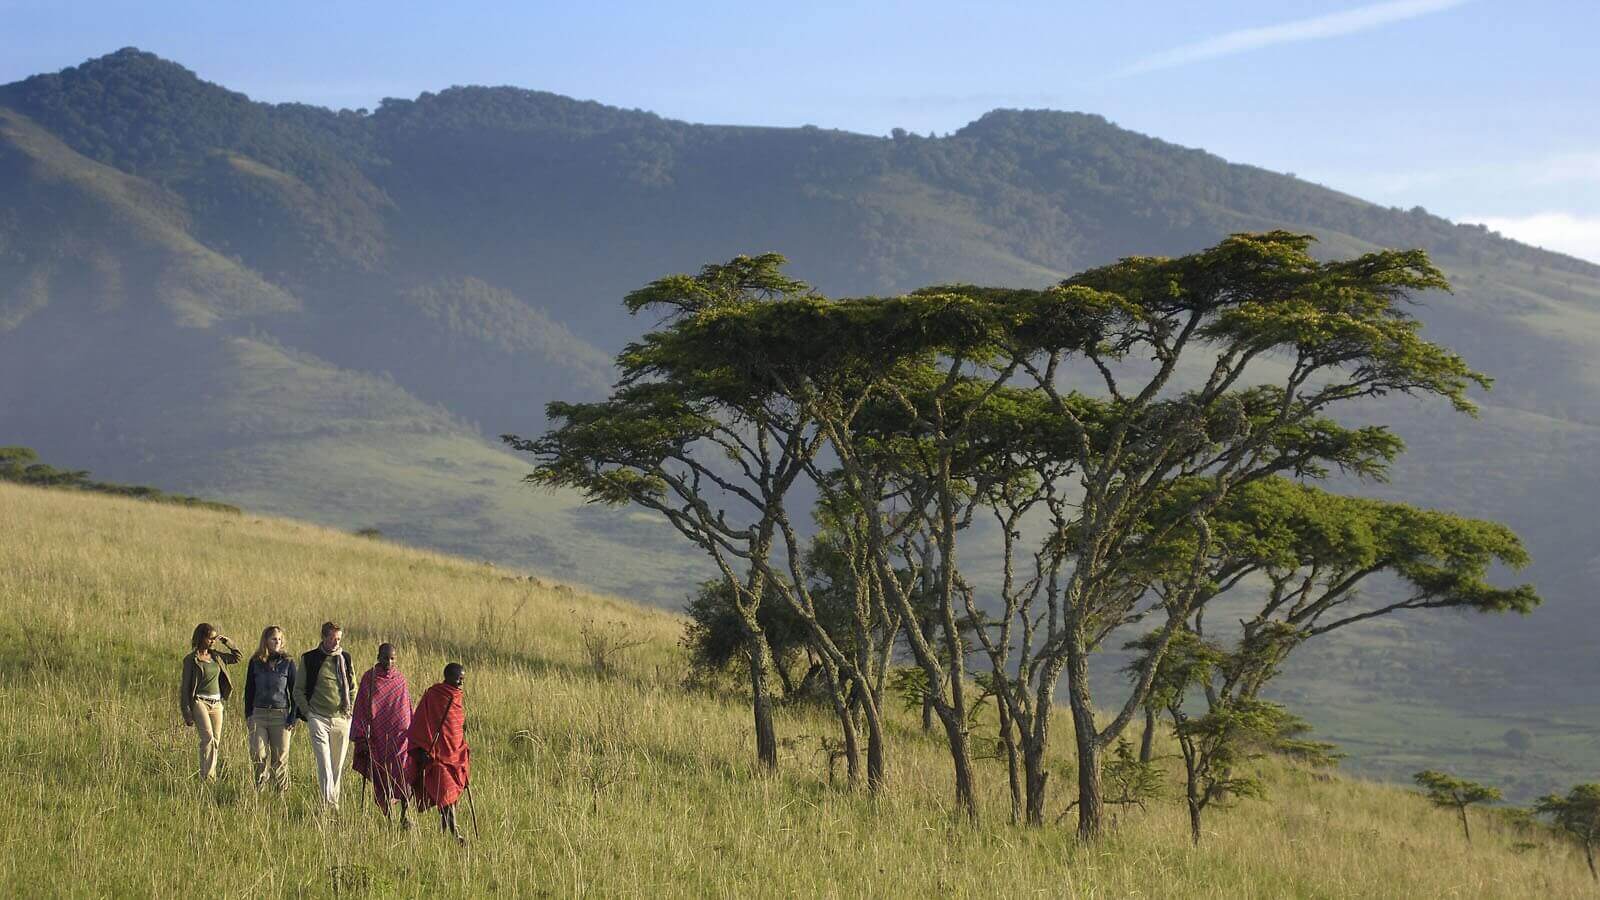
604, 645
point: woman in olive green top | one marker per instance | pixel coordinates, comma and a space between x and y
203, 691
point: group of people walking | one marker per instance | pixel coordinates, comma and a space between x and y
412, 757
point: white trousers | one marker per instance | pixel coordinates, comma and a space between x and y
330, 738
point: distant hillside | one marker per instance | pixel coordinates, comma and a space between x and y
584, 784
327, 314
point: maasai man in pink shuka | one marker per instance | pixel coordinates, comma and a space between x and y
379, 729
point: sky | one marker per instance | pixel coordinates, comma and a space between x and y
1479, 110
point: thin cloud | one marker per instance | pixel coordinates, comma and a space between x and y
1314, 29
1562, 232
1577, 170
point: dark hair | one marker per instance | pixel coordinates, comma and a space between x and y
385, 646
452, 670
201, 632
329, 628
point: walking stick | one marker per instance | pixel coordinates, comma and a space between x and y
473, 809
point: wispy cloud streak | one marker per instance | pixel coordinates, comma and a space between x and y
1317, 28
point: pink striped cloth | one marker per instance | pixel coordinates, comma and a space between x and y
383, 716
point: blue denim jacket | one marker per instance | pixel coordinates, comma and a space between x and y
270, 685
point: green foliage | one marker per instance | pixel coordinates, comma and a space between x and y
1223, 741
715, 635
1314, 550
1290, 740
1218, 746
137, 111
910, 684
1129, 781
1578, 815
1448, 791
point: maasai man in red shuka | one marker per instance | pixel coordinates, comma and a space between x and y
378, 731
439, 748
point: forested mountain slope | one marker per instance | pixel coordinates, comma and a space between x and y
331, 314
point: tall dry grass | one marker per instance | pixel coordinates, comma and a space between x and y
623, 784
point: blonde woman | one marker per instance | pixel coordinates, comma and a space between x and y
269, 708
204, 689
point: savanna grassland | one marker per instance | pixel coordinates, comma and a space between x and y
586, 783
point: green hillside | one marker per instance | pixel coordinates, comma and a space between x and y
330, 315
584, 784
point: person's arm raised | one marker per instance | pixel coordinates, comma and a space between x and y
230, 655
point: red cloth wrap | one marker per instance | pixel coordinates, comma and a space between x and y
439, 727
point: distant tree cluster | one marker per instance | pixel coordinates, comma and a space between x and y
21, 465
1141, 437
1574, 815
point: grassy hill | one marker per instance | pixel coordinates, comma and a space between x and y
585, 784
331, 314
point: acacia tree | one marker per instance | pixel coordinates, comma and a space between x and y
735, 339
889, 383
840, 578
1317, 550
1448, 791
708, 450
1577, 814
899, 389
1333, 333
715, 635
1215, 744
1305, 554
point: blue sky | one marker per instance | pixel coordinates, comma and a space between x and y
1480, 110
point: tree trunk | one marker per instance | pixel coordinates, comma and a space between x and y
1008, 737
761, 704
875, 751
927, 711
784, 678
871, 698
1464, 826
1091, 797
1588, 854
1147, 742
956, 732
1035, 779
847, 725
1191, 775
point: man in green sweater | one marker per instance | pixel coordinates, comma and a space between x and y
325, 695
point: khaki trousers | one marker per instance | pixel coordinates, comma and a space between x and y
208, 727
330, 738
269, 747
